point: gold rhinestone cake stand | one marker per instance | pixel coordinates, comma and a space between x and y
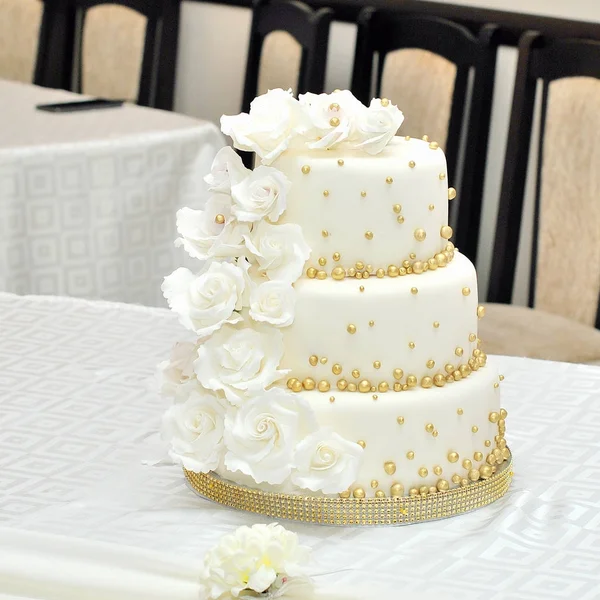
354, 511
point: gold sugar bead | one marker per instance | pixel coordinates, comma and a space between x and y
397, 490
341, 162
323, 360
334, 122
342, 384
331, 398
311, 272
429, 427
423, 472
423, 490
478, 456
443, 485
325, 193
324, 386
494, 417
392, 271
397, 208
336, 369
418, 267
446, 232
359, 265
383, 387
437, 470
338, 273
377, 364
442, 176
496, 385
466, 291
306, 169
420, 235
474, 429
294, 384
436, 324
364, 386
439, 380
451, 193
456, 478
345, 494
371, 323
411, 345
459, 351
389, 180
410, 455
322, 261
501, 377
426, 382
361, 288
400, 420
412, 164
336, 256
321, 275
362, 443
413, 492
474, 474
325, 233
369, 235
459, 411
380, 273
389, 467
457, 375
363, 194
414, 291
379, 494
432, 207
309, 384
398, 387
486, 471
313, 360
355, 373
400, 219
430, 364
351, 329
467, 464
425, 138
398, 374
385, 102
481, 311
407, 138
472, 337
411, 381
503, 413
220, 219
375, 396
453, 457
358, 492
374, 484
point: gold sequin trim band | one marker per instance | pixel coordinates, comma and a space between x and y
354, 511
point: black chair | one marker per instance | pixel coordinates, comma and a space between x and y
545, 59
381, 32
61, 39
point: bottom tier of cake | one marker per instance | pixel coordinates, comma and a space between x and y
418, 442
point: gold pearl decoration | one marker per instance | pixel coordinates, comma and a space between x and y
324, 386
423, 490
361, 288
355, 373
453, 457
380, 273
459, 411
423, 472
467, 464
439, 380
351, 329
437, 470
501, 377
429, 428
486, 471
313, 360
341, 162
420, 235
334, 106
363, 194
459, 351
494, 417
432, 207
389, 180
443, 485
426, 382
496, 385
364, 386
323, 360
331, 398
383, 387
375, 396
414, 291
311, 272
407, 138
322, 261
436, 324
362, 443
336, 256
369, 235
412, 164
325, 233
487, 443
389, 467
397, 490
410, 455
456, 478
379, 494
481, 311
442, 176
430, 364
385, 102
451, 193
474, 474
321, 275
446, 232
478, 456
434, 145
358, 492
338, 273
472, 337
334, 122
411, 381
336, 369
398, 374
400, 219
466, 291
400, 420
374, 484
220, 219
326, 193
345, 494
342, 384
309, 384
413, 492
503, 413
397, 208
377, 364
360, 265
306, 169
425, 138
474, 429
294, 384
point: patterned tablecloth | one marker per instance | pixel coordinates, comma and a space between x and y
88, 199
79, 418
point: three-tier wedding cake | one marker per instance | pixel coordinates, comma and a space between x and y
337, 375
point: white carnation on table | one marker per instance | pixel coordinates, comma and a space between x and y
273, 302
212, 232
326, 462
176, 375
254, 560
194, 430
260, 195
240, 361
227, 167
261, 435
207, 301
376, 126
274, 120
332, 117
280, 250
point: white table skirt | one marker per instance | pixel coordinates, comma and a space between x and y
79, 417
88, 199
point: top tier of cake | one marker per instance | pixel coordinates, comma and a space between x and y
377, 210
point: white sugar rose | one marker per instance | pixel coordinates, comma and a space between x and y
280, 250
240, 361
273, 302
212, 232
376, 126
226, 167
260, 195
254, 559
176, 374
206, 301
326, 462
261, 435
332, 117
275, 119
194, 429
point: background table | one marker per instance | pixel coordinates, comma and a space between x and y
79, 416
88, 199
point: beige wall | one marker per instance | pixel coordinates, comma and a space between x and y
212, 61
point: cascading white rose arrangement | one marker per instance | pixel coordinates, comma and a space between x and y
230, 408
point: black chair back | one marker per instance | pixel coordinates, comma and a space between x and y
61, 38
546, 59
381, 32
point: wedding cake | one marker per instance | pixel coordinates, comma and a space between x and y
335, 374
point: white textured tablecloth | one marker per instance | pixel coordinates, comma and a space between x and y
79, 415
88, 199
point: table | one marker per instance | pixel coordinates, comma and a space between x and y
81, 475
88, 199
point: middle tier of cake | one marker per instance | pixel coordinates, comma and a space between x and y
388, 333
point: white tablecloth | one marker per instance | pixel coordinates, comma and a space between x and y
79, 416
88, 199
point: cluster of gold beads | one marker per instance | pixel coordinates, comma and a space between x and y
361, 270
